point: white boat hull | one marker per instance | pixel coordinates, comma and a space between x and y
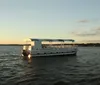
57, 54
52, 52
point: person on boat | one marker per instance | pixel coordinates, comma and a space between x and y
26, 52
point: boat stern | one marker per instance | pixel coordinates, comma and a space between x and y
26, 52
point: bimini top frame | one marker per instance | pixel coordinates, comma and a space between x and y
52, 40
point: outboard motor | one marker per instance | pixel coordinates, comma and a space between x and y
25, 53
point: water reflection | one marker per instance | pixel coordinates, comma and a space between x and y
75, 70
48, 69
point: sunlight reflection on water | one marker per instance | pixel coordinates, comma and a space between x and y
74, 70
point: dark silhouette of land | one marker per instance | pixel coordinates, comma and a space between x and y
79, 44
12, 44
89, 44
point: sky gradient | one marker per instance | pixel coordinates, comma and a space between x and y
75, 19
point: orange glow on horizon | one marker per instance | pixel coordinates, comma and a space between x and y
12, 42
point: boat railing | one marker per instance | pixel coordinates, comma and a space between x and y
58, 46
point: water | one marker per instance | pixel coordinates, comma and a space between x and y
83, 69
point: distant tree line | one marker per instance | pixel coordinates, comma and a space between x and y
89, 44
79, 44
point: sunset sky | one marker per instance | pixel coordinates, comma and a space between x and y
75, 19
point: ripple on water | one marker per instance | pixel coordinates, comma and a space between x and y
83, 69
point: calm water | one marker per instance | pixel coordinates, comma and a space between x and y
83, 69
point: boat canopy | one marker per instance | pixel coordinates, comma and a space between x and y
52, 40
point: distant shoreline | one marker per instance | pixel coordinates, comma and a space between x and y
12, 44
79, 44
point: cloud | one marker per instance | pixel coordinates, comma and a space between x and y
83, 21
93, 32
87, 21
86, 34
98, 29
